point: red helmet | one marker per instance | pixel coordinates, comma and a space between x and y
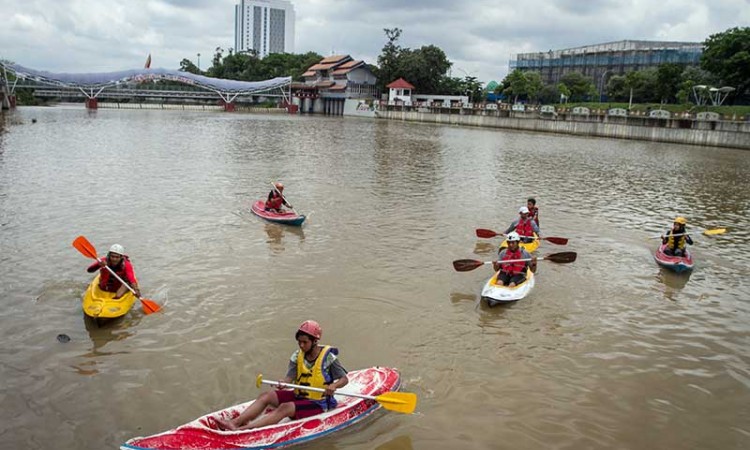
312, 328
279, 185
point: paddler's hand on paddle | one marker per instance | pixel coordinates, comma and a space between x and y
329, 391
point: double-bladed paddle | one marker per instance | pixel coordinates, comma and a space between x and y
403, 402
706, 232
485, 233
87, 249
465, 265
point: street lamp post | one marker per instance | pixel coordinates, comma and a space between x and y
199, 62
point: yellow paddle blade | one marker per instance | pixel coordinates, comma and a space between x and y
403, 402
259, 380
715, 231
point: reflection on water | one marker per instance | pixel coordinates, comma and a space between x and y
674, 281
402, 442
276, 233
111, 330
457, 297
485, 248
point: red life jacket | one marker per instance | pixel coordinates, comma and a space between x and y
524, 227
534, 214
109, 283
513, 268
275, 202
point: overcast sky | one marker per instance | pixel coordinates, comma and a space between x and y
478, 36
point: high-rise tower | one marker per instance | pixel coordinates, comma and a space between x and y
265, 26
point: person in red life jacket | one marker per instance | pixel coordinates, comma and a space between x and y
524, 226
513, 273
276, 199
119, 262
311, 365
676, 238
533, 210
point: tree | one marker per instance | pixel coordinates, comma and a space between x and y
580, 86
515, 85
187, 66
423, 68
727, 55
616, 89
549, 94
472, 88
534, 85
668, 81
388, 59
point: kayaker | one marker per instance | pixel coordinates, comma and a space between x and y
676, 238
514, 273
311, 365
120, 263
524, 226
533, 210
276, 199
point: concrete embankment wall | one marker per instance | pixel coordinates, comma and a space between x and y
182, 107
704, 137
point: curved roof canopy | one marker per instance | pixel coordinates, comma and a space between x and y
107, 79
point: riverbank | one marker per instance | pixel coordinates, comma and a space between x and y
708, 133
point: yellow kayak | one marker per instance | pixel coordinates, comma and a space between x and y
100, 304
529, 247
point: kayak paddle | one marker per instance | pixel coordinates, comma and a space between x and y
706, 232
485, 233
403, 402
465, 265
87, 249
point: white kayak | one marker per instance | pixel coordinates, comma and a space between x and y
495, 293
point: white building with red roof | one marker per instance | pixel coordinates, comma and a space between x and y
400, 92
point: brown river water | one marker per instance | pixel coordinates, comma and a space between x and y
607, 352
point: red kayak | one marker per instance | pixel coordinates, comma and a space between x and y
286, 218
202, 433
675, 263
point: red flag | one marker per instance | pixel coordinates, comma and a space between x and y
148, 62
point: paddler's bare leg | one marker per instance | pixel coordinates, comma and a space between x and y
265, 400
275, 416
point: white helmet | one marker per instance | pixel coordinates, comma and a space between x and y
117, 248
523, 210
513, 237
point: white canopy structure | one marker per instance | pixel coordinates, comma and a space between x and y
91, 84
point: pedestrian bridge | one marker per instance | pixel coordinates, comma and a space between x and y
110, 84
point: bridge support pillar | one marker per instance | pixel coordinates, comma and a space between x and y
92, 103
291, 108
228, 106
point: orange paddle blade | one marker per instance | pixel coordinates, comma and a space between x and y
85, 247
149, 306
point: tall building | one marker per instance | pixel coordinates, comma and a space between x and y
265, 26
601, 61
